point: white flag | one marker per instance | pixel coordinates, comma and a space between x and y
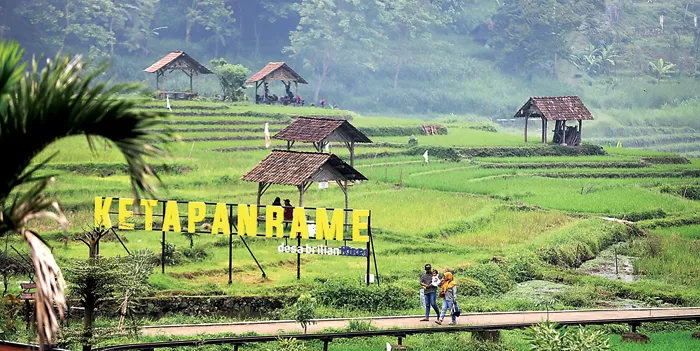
425, 156
267, 136
328, 148
661, 22
695, 20
167, 103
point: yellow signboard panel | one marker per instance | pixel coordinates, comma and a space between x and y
246, 224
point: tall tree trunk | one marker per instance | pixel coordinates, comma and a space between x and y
322, 76
87, 324
256, 33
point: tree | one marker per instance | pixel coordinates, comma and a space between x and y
333, 31
661, 69
95, 280
213, 15
410, 21
532, 33
10, 266
44, 105
232, 78
305, 311
91, 238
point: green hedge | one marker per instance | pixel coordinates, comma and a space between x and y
573, 254
667, 160
439, 152
555, 164
691, 192
532, 151
108, 169
670, 222
687, 173
353, 295
396, 131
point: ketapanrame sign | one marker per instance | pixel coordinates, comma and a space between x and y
241, 219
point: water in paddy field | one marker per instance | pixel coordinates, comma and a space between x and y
604, 266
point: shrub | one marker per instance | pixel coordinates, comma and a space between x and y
547, 337
470, 287
170, 255
195, 254
494, 278
305, 310
521, 268
356, 325
671, 160
691, 192
397, 131
412, 141
440, 152
641, 216
530, 151
344, 294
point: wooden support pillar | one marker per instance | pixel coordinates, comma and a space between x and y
352, 154
544, 130
526, 117
257, 84
191, 87
580, 133
563, 133
157, 80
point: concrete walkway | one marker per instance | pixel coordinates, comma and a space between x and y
478, 319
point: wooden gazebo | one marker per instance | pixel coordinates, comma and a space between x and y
301, 169
559, 109
276, 71
321, 131
177, 61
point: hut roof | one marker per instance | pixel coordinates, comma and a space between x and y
295, 168
555, 108
276, 71
313, 130
177, 60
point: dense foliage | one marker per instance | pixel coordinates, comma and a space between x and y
412, 56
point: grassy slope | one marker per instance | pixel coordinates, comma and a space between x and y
436, 209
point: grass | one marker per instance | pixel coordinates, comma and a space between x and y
452, 214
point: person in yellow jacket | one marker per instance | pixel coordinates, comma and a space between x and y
448, 293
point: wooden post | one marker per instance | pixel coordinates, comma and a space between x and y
157, 80
191, 87
563, 133
352, 154
526, 117
301, 194
257, 202
162, 244
580, 126
256, 93
544, 135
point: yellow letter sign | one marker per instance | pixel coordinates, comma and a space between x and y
325, 231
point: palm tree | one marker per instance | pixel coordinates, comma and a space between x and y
661, 69
41, 106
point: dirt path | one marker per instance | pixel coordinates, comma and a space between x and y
280, 327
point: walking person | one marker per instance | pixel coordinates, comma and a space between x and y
449, 298
430, 292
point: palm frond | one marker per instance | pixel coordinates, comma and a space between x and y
45, 105
49, 288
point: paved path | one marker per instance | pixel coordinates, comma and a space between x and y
479, 319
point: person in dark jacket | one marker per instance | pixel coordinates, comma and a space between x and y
430, 292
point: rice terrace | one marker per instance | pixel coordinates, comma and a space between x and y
364, 175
